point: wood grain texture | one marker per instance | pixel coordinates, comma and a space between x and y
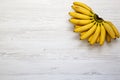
37, 42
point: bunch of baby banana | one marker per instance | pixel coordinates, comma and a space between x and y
91, 26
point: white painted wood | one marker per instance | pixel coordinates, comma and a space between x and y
37, 42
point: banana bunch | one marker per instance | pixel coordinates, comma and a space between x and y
91, 26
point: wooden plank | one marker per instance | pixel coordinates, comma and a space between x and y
37, 42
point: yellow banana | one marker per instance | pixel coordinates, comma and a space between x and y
82, 5
95, 35
77, 26
82, 10
109, 29
90, 38
114, 29
89, 32
79, 15
82, 33
102, 35
84, 28
80, 22
98, 39
108, 38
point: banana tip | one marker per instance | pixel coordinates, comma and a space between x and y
69, 20
73, 30
101, 44
72, 6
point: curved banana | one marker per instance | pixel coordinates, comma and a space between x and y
82, 33
102, 35
89, 32
79, 15
95, 35
82, 5
77, 26
80, 22
114, 29
109, 29
90, 38
84, 28
98, 39
82, 10
108, 38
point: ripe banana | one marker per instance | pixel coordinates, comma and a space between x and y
95, 35
80, 22
90, 38
102, 35
109, 29
89, 32
82, 33
114, 29
98, 39
84, 28
79, 15
91, 26
108, 38
82, 5
77, 26
82, 10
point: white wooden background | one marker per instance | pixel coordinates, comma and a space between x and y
37, 42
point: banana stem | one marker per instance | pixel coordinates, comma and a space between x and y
97, 18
